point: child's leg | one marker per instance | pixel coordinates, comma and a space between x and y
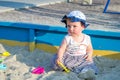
89, 72
87, 75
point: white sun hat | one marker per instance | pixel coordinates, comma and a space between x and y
76, 16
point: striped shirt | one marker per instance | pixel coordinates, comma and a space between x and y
77, 48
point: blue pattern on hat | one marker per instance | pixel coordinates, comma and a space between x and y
76, 16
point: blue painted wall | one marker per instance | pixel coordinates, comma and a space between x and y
53, 35
17, 34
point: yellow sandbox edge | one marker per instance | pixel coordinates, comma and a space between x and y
53, 49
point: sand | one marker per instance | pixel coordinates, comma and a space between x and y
22, 62
52, 14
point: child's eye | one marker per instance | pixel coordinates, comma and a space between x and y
68, 26
74, 26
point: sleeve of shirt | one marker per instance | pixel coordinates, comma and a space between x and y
88, 40
67, 38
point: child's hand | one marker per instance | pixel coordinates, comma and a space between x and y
88, 57
58, 60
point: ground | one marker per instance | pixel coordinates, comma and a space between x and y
52, 14
20, 64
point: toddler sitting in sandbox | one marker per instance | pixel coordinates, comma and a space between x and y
75, 52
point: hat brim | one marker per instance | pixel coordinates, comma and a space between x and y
74, 19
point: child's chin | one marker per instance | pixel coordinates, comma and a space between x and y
70, 34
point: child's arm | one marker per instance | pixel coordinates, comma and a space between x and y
61, 51
89, 52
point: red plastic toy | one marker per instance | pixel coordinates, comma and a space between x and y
38, 70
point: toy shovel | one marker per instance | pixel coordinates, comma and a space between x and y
64, 67
5, 54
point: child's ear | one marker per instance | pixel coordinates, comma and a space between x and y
82, 26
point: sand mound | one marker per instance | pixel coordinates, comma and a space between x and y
21, 62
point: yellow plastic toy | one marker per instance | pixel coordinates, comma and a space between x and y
6, 54
64, 67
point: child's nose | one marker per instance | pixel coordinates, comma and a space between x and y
71, 28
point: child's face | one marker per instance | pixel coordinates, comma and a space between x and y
74, 28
